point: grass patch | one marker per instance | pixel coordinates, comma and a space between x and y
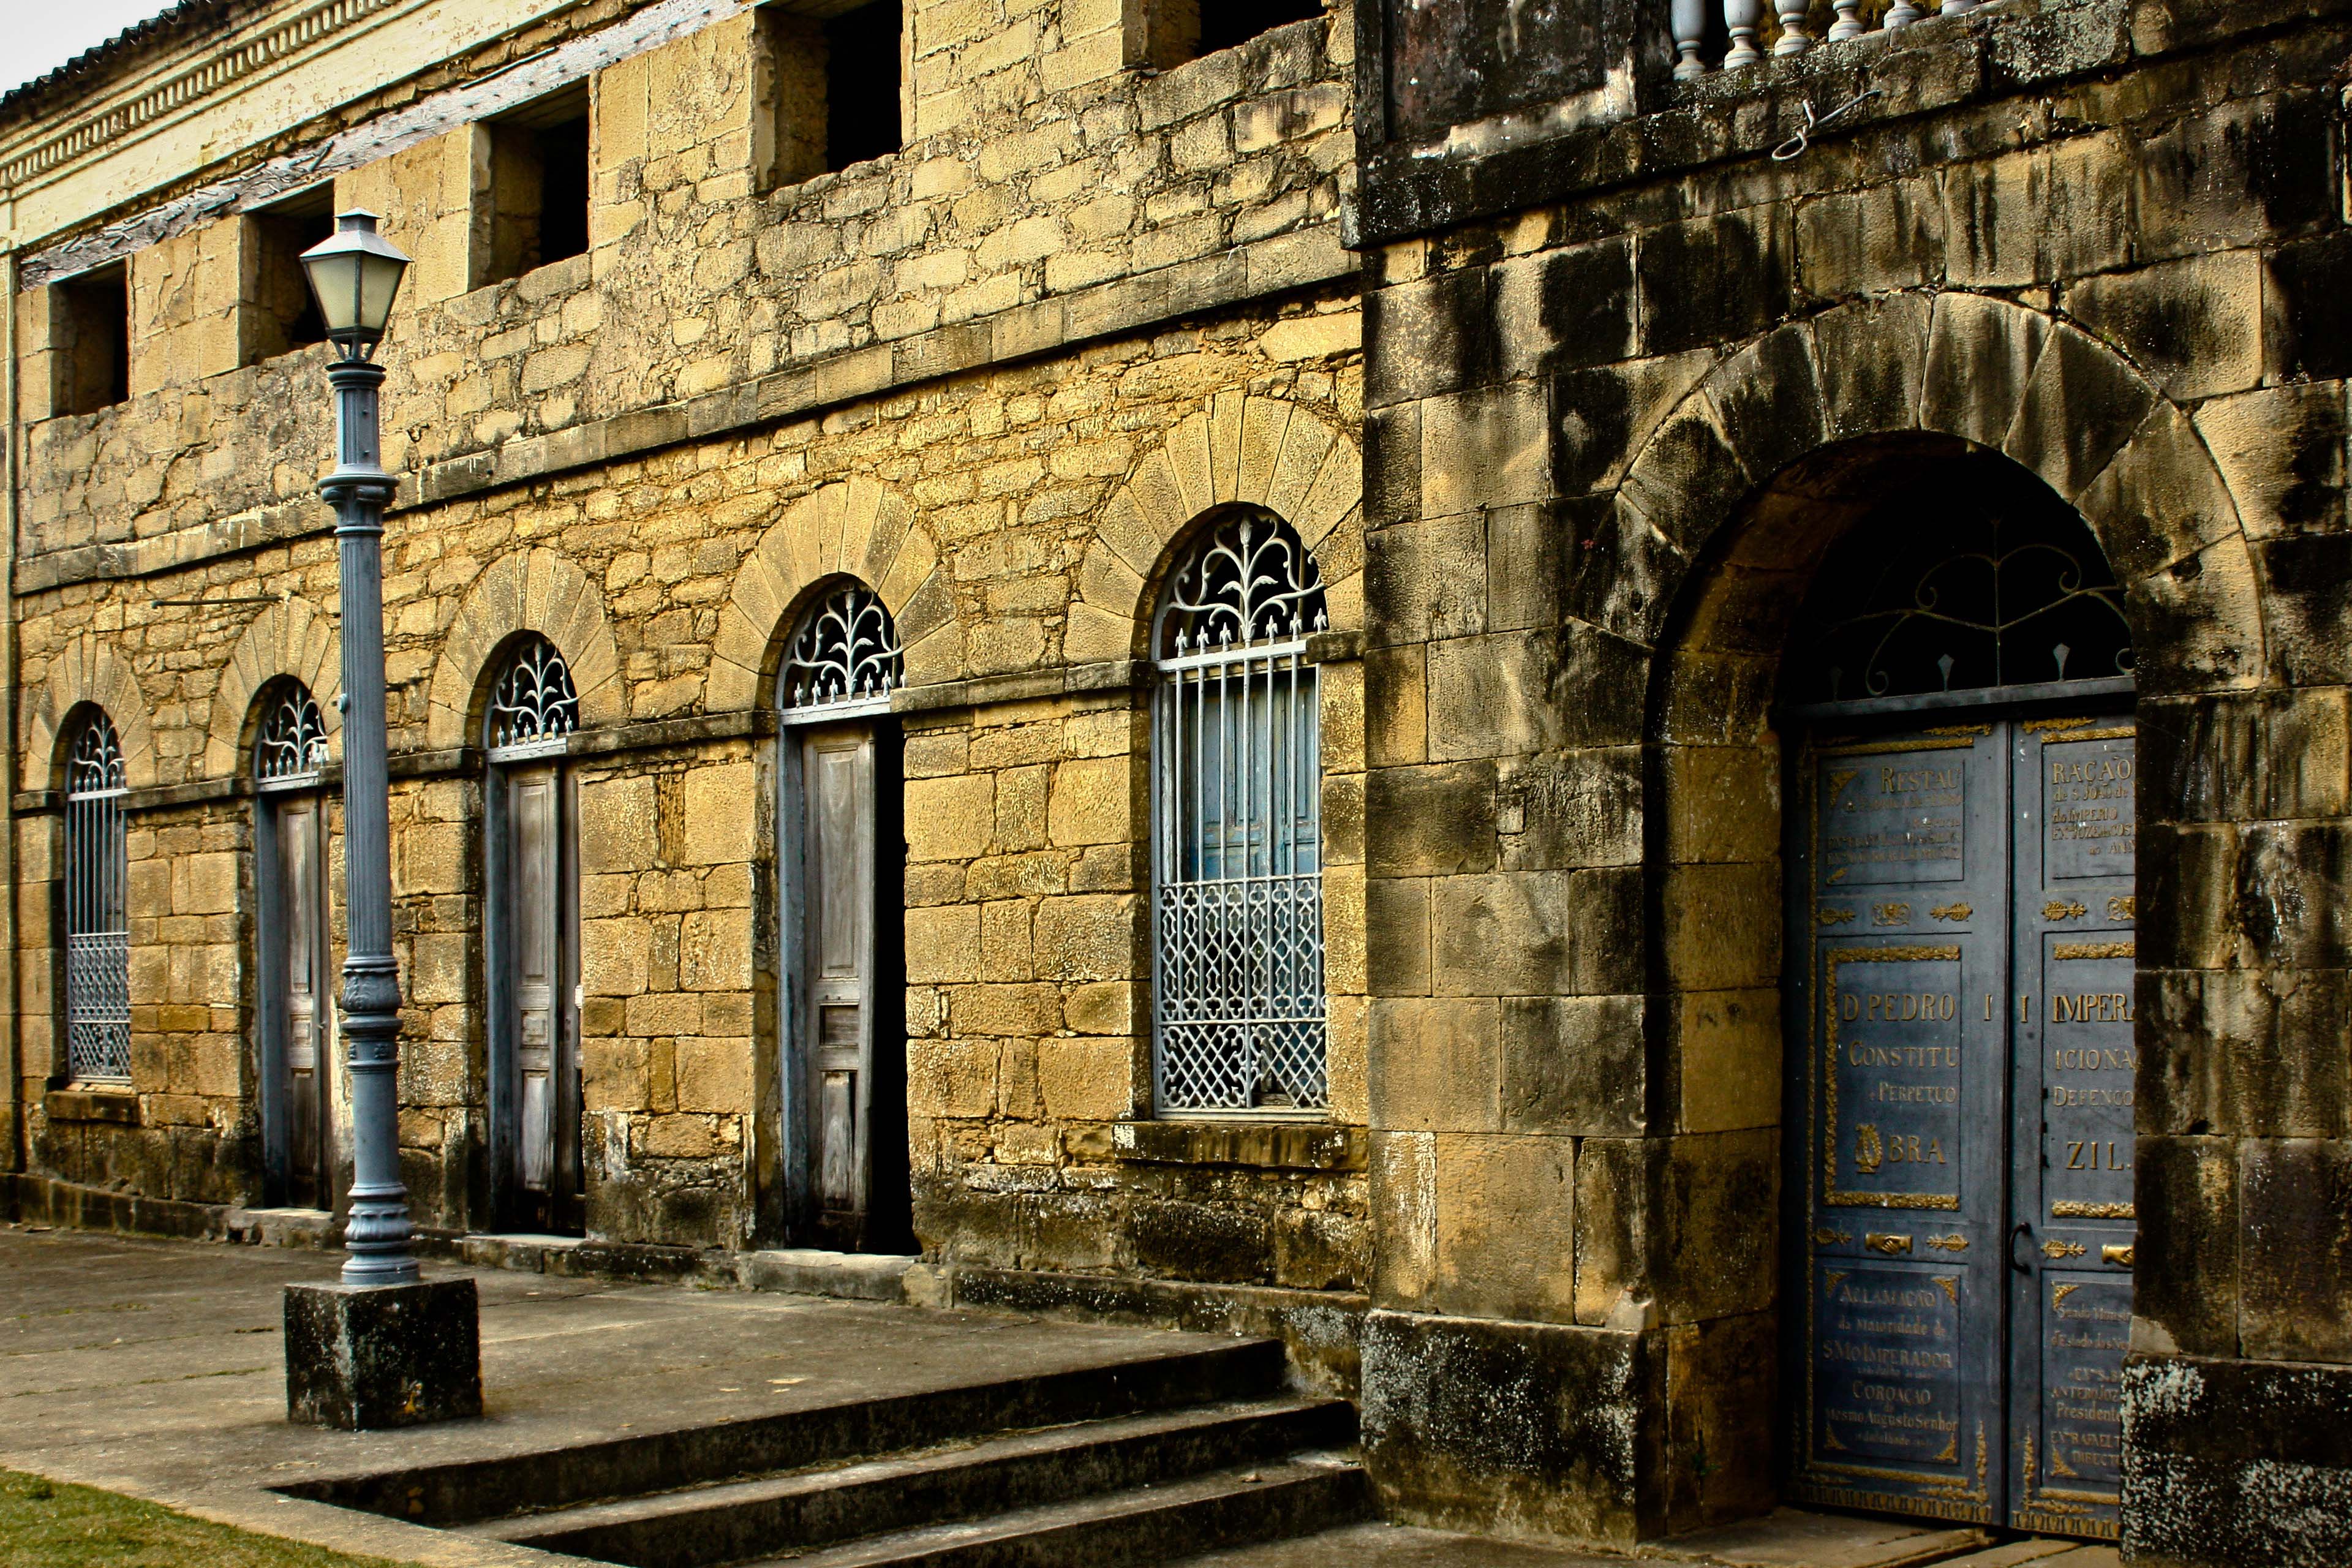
48, 1524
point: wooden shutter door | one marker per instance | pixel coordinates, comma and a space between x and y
838, 773
303, 1005
534, 825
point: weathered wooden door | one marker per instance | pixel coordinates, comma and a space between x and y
850, 1035
1953, 1332
838, 948
294, 925
545, 1138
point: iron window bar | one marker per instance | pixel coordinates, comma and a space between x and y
97, 931
1238, 1010
2016, 592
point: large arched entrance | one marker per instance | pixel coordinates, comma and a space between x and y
1956, 702
1720, 529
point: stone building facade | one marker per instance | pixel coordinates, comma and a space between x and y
1654, 360
1606, 381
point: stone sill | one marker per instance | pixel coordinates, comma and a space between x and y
119, 1106
1260, 1145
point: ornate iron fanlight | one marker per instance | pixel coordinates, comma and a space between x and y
1963, 598
293, 738
96, 766
1248, 579
533, 700
846, 651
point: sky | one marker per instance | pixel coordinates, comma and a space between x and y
38, 36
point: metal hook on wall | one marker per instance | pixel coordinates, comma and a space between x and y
1795, 146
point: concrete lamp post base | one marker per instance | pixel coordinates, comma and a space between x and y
363, 1356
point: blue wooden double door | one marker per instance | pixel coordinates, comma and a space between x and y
1961, 1291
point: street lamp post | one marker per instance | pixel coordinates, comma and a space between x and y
383, 1347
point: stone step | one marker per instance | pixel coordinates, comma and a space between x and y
468, 1491
1243, 1503
2040, 1551
807, 1509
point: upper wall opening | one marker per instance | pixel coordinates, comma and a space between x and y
89, 341
537, 207
831, 88
862, 52
1183, 30
277, 310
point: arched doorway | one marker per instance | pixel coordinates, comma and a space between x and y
293, 971
530, 863
841, 859
1955, 701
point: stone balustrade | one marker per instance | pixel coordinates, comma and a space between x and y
1748, 30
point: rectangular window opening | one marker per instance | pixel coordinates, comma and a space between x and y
1183, 30
539, 184
862, 54
89, 341
279, 314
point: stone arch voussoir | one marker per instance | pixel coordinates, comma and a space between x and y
856, 528
87, 669
292, 637
1241, 448
1981, 370
529, 591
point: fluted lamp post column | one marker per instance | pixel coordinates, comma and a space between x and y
383, 1346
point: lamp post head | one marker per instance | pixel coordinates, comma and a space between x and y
354, 272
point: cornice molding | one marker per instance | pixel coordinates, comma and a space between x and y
182, 88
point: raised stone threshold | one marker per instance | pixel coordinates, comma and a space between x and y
799, 1271
1266, 268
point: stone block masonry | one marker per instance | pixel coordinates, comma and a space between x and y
1626, 383
1102, 303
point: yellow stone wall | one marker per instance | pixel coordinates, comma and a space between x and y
914, 372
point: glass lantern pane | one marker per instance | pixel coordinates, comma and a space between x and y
378, 281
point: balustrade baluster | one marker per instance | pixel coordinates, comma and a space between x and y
1794, 40
1690, 28
1848, 24
1739, 18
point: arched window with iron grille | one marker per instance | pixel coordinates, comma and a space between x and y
1237, 787
98, 930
